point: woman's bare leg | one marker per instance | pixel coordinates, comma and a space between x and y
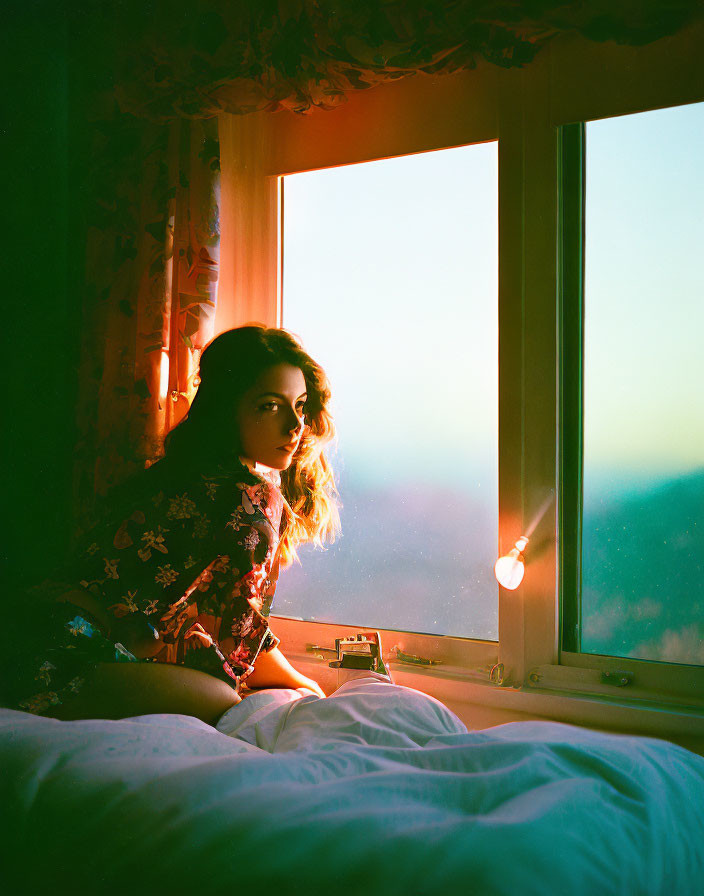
119, 690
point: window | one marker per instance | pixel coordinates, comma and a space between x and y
632, 421
390, 279
643, 504
543, 122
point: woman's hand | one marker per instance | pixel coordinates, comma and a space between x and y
137, 635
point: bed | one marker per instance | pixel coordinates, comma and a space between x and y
376, 789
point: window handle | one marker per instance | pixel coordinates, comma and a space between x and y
414, 659
315, 648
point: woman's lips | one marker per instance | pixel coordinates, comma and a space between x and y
289, 449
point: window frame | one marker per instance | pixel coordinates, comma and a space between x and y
571, 259
570, 81
675, 683
648, 81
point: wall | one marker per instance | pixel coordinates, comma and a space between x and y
41, 312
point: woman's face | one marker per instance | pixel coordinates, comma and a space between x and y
270, 416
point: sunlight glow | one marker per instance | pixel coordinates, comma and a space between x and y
164, 375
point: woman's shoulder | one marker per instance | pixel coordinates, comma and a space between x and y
173, 476
169, 486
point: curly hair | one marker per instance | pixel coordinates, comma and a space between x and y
230, 365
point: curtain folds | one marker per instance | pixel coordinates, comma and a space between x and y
152, 260
198, 58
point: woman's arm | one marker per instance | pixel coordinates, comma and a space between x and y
273, 670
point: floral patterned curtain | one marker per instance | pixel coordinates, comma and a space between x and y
150, 290
196, 58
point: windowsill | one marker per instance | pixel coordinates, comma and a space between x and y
475, 702
462, 684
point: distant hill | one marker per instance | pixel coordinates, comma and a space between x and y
413, 557
422, 559
643, 573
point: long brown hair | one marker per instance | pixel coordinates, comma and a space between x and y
230, 365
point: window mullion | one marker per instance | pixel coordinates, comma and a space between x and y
571, 310
528, 367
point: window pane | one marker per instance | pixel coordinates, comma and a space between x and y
643, 531
390, 281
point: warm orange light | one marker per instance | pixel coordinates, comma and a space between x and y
164, 374
510, 568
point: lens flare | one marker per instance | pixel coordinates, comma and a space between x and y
510, 568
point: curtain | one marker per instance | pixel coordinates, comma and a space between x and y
152, 259
198, 58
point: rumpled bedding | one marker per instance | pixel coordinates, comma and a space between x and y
376, 789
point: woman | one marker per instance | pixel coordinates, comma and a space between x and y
164, 606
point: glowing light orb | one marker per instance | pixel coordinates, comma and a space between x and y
510, 568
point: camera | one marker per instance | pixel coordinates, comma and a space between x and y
360, 652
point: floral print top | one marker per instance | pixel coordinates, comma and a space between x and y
195, 564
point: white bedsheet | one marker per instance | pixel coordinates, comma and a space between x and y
377, 789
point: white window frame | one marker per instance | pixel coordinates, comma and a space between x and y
570, 80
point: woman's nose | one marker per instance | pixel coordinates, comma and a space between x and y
294, 423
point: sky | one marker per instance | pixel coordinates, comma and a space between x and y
391, 283
390, 280
644, 295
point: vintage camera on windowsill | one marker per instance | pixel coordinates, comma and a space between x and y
358, 654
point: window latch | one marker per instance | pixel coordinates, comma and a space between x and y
362, 650
413, 658
364, 645
617, 678
574, 678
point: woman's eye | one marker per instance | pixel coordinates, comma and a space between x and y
270, 405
